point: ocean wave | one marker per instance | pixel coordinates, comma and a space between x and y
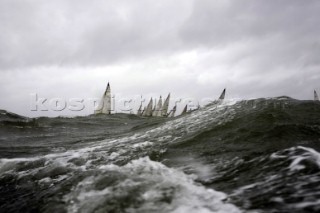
242, 155
144, 186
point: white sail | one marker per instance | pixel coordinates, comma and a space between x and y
316, 98
158, 108
222, 95
105, 103
148, 111
143, 113
164, 110
139, 112
173, 112
185, 109
98, 110
154, 108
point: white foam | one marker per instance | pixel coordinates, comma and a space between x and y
276, 156
154, 183
142, 144
114, 155
313, 153
295, 165
310, 154
305, 204
99, 156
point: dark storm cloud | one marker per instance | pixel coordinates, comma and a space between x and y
276, 32
255, 48
102, 32
223, 21
85, 32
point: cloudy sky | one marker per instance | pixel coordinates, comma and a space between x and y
70, 49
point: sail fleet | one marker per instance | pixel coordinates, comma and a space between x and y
154, 108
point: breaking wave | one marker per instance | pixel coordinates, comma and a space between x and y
257, 155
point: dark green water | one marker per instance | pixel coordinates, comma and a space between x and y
247, 156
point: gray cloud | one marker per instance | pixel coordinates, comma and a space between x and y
101, 32
85, 32
191, 48
221, 22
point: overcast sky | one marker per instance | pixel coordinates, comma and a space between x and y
72, 48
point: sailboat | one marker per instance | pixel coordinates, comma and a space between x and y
143, 111
148, 110
173, 112
154, 108
139, 112
164, 110
158, 108
223, 94
185, 109
105, 103
316, 98
220, 99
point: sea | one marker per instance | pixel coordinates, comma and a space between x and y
258, 156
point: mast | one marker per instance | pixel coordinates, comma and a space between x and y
316, 98
222, 95
165, 106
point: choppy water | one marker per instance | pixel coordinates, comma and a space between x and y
239, 156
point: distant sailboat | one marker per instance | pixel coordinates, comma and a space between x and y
316, 98
148, 111
164, 110
221, 98
139, 112
105, 103
98, 110
173, 112
143, 111
223, 94
185, 109
154, 108
158, 108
